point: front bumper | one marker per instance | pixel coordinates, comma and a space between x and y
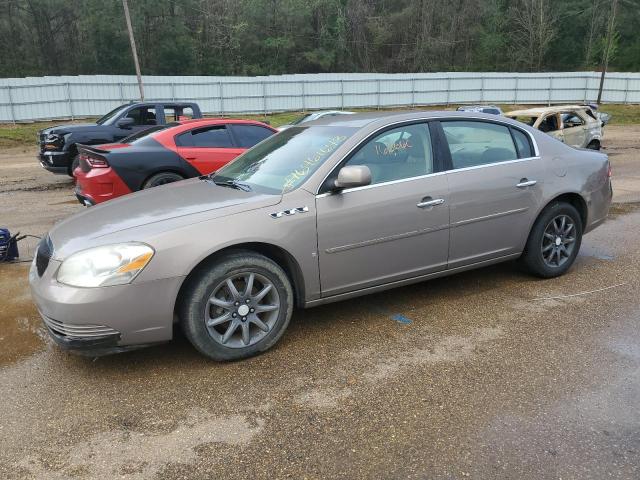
55, 162
78, 341
103, 320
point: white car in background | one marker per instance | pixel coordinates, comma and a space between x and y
493, 109
575, 125
315, 116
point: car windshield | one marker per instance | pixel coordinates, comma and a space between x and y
284, 161
110, 115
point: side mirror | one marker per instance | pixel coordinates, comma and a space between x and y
353, 176
125, 122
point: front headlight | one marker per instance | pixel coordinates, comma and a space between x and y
105, 266
55, 141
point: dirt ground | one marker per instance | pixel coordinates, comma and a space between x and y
494, 374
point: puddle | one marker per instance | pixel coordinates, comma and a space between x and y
596, 251
623, 208
21, 330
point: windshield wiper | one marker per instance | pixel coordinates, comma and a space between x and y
233, 184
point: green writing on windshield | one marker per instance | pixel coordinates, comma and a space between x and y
301, 172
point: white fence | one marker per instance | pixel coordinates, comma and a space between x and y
39, 98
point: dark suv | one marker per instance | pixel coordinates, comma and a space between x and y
58, 151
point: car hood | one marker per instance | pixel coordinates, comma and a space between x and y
76, 127
155, 210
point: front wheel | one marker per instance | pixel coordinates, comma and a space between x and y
554, 241
75, 163
236, 308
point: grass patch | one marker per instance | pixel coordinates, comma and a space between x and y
21, 134
622, 114
24, 134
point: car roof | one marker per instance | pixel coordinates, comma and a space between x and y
152, 103
536, 112
185, 125
461, 107
218, 120
332, 112
359, 120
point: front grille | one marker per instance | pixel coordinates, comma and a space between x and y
78, 331
43, 255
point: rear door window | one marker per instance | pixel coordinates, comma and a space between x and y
215, 136
478, 143
249, 135
571, 119
177, 113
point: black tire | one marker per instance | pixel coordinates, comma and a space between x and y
533, 259
162, 178
195, 307
75, 162
594, 145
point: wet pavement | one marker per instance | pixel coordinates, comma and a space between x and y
496, 375
485, 374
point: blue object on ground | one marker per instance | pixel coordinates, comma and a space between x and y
398, 317
8, 246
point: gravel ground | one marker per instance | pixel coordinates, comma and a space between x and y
496, 374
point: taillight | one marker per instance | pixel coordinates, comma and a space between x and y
609, 172
96, 162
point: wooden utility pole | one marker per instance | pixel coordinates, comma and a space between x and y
605, 56
134, 51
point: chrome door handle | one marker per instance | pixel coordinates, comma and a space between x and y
526, 183
430, 203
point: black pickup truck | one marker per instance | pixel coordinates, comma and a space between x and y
58, 152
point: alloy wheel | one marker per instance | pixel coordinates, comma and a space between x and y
242, 310
558, 241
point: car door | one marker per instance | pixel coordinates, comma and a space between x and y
574, 129
495, 185
207, 148
393, 229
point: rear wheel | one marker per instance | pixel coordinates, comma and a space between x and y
554, 241
236, 308
162, 178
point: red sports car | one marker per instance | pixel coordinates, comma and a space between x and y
162, 155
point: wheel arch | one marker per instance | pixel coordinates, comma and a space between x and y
73, 151
572, 198
278, 254
175, 170
596, 141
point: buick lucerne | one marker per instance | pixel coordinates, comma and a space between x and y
335, 208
